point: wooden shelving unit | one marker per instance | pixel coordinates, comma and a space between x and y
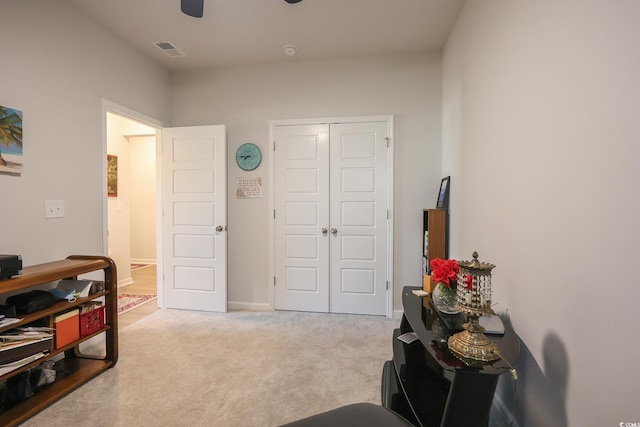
436, 222
79, 368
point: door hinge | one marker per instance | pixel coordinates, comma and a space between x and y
388, 214
388, 141
274, 146
388, 285
274, 214
274, 280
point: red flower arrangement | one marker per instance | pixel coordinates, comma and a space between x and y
444, 270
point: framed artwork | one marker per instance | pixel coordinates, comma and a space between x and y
10, 141
443, 194
112, 176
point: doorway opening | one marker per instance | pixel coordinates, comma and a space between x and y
130, 233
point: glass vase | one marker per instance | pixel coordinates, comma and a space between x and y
445, 299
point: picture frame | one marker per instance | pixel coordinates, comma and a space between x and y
11, 142
112, 176
443, 194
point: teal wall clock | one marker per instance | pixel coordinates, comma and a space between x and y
248, 156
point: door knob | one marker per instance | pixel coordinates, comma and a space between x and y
334, 231
219, 228
324, 230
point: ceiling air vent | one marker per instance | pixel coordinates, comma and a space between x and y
169, 49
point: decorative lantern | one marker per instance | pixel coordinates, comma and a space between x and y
474, 298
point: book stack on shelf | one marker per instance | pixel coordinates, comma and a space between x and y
21, 346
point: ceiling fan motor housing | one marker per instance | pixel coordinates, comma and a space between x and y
193, 8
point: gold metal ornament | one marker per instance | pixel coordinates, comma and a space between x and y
474, 298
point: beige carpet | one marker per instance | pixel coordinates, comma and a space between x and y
180, 368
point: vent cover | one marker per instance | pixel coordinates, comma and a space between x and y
169, 49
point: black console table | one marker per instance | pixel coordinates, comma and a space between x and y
427, 384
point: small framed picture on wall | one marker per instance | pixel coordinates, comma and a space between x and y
112, 176
443, 194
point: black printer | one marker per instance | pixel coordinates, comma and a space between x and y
10, 265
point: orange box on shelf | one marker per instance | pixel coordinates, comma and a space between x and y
67, 327
91, 319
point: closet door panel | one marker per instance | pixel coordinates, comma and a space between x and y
359, 157
302, 211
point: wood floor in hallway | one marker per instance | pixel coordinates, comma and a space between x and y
144, 282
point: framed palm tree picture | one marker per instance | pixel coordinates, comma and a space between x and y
112, 176
10, 141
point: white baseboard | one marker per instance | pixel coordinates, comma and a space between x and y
252, 306
397, 314
143, 261
125, 282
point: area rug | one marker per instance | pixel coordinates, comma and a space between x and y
128, 302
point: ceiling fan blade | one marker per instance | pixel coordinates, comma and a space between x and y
193, 8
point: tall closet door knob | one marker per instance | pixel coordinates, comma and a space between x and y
324, 230
334, 231
219, 228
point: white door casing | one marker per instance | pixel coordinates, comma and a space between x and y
333, 234
194, 218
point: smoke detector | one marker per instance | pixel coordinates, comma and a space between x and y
290, 50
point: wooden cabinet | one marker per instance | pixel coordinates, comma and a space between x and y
79, 368
435, 241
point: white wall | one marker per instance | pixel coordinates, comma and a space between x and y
143, 198
541, 131
246, 98
57, 67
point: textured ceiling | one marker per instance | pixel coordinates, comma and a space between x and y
242, 32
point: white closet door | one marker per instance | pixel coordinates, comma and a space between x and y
302, 217
359, 205
332, 231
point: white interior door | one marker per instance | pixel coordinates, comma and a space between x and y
332, 227
194, 198
302, 217
359, 218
